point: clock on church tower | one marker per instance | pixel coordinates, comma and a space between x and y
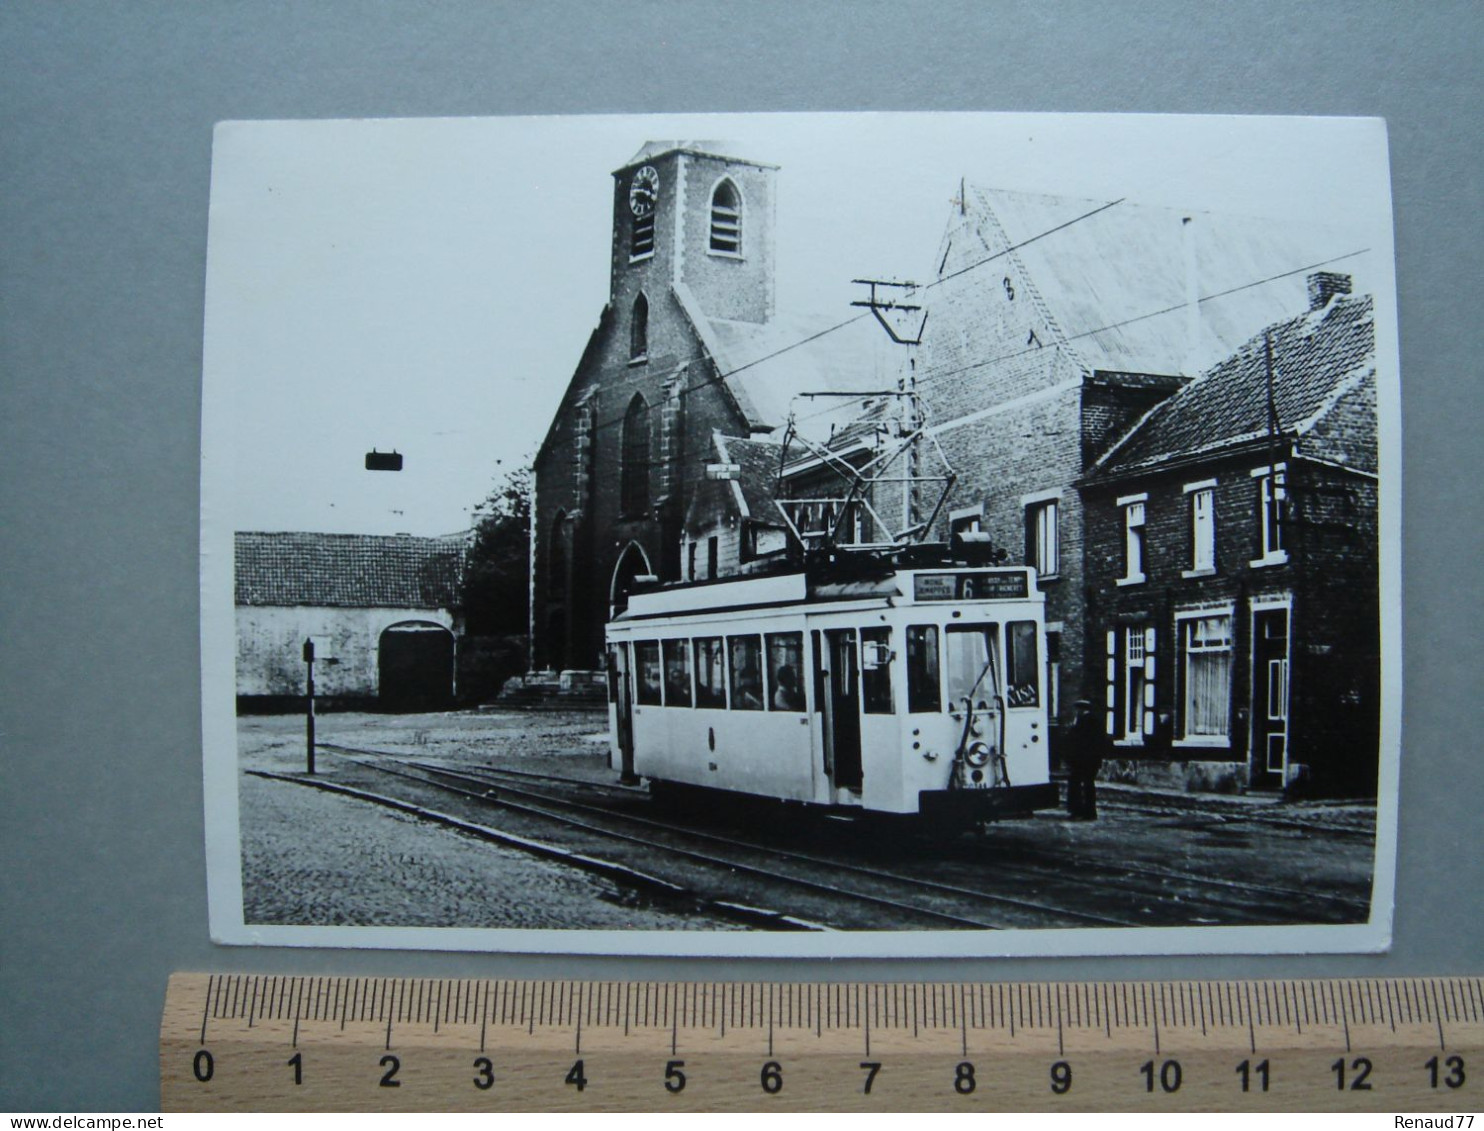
690, 213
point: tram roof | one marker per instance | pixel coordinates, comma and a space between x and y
774, 590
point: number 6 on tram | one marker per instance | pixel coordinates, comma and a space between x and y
902, 691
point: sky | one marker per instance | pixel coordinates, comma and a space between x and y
428, 285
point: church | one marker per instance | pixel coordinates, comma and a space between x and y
689, 347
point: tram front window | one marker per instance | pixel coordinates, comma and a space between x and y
1022, 670
972, 659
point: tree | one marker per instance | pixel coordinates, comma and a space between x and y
496, 589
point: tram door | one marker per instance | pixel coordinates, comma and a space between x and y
621, 688
840, 679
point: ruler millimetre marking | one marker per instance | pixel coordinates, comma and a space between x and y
262, 1042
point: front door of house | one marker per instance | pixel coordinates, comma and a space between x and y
1269, 698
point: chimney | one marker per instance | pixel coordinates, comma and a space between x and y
1325, 285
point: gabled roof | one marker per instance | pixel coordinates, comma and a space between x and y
1111, 277
750, 495
356, 571
1323, 365
767, 365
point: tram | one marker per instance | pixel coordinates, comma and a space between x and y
890, 689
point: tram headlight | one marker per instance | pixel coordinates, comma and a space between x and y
978, 754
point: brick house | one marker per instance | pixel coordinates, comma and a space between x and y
1054, 325
689, 347
382, 611
1231, 555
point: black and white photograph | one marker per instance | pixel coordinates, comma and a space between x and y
802, 534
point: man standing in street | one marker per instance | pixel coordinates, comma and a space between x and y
1084, 758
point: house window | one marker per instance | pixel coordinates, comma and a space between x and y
1131, 684
1042, 537
633, 486
1133, 541
690, 561
1206, 670
1203, 530
1272, 514
639, 330
726, 220
713, 552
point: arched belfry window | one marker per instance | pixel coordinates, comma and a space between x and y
639, 329
633, 483
726, 219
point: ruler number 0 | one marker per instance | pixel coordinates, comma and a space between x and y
203, 1067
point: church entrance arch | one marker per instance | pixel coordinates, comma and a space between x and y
633, 564
415, 667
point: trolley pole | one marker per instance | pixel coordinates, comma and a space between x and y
309, 704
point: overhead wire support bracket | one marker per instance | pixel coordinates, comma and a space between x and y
879, 305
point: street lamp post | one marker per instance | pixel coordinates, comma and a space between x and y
309, 704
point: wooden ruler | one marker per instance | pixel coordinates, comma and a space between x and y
274, 1043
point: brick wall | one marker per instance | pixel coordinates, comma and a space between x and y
1329, 583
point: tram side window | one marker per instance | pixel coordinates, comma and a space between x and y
786, 665
745, 654
971, 667
924, 691
677, 673
711, 687
876, 671
647, 666
1021, 665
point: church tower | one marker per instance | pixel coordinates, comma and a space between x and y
688, 216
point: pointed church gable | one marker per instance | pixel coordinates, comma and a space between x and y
1110, 278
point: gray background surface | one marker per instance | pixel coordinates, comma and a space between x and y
105, 133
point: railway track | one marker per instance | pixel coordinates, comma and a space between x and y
770, 864
1136, 888
1218, 897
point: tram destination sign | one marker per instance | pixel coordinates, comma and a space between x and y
974, 586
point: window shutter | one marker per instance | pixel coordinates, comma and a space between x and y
1110, 697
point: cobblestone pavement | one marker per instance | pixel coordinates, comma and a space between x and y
314, 858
